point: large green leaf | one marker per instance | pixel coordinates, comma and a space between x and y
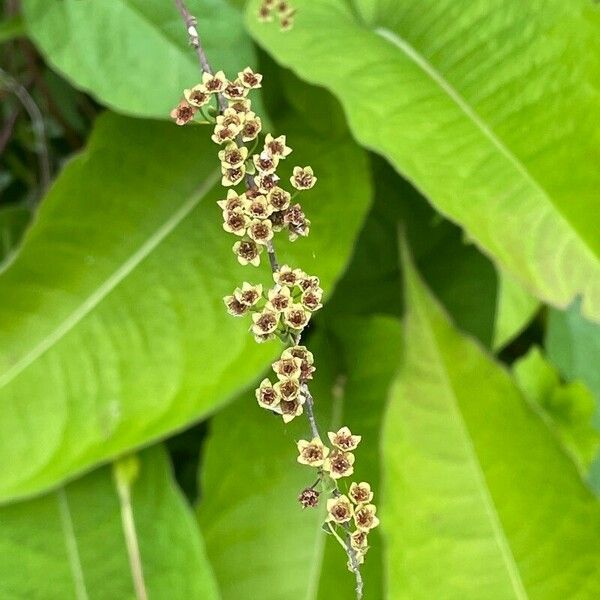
488, 107
480, 500
70, 544
133, 55
262, 545
112, 327
13, 221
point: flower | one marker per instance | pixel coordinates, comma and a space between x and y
308, 498
234, 306
214, 83
287, 21
311, 299
265, 163
232, 176
287, 276
266, 395
289, 389
360, 493
265, 322
249, 295
303, 178
290, 409
240, 106
309, 282
306, 358
282, 7
236, 222
233, 201
266, 182
260, 231
197, 96
224, 134
264, 14
279, 298
277, 220
312, 453
297, 222
183, 113
276, 146
287, 368
251, 128
343, 439
339, 464
231, 118
278, 198
234, 90
365, 518
359, 541
249, 78
232, 156
247, 252
339, 510
296, 317
258, 208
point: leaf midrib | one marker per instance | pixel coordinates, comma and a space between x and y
417, 58
110, 283
480, 480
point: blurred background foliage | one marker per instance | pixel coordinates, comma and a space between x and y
456, 230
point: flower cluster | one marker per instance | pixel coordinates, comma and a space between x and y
279, 8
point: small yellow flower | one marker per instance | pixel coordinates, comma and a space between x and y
306, 358
287, 21
287, 276
267, 396
250, 79
344, 440
279, 298
303, 178
290, 409
260, 231
235, 221
232, 156
265, 163
251, 128
234, 306
278, 198
234, 90
360, 493
183, 113
241, 106
310, 282
247, 252
282, 7
296, 316
213, 84
249, 294
287, 368
289, 389
311, 300
359, 541
339, 510
265, 182
197, 96
258, 208
276, 146
231, 118
233, 176
224, 134
265, 322
312, 453
339, 464
264, 14
365, 518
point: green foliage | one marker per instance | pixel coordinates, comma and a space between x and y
69, 544
475, 482
427, 88
13, 221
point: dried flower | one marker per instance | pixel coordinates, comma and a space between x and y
278, 198
235, 221
214, 84
360, 493
339, 510
260, 231
343, 439
234, 306
250, 79
359, 540
311, 299
234, 90
312, 453
339, 464
303, 178
289, 389
290, 409
296, 316
232, 176
309, 498
247, 252
265, 163
232, 156
365, 518
306, 358
276, 146
309, 282
197, 96
266, 182
287, 368
251, 128
265, 322
279, 298
183, 113
258, 208
294, 215
267, 395
249, 294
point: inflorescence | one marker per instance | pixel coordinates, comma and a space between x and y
270, 9
254, 215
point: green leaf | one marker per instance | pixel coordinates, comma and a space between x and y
250, 478
11, 28
70, 544
568, 409
489, 109
134, 55
13, 222
112, 326
480, 499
